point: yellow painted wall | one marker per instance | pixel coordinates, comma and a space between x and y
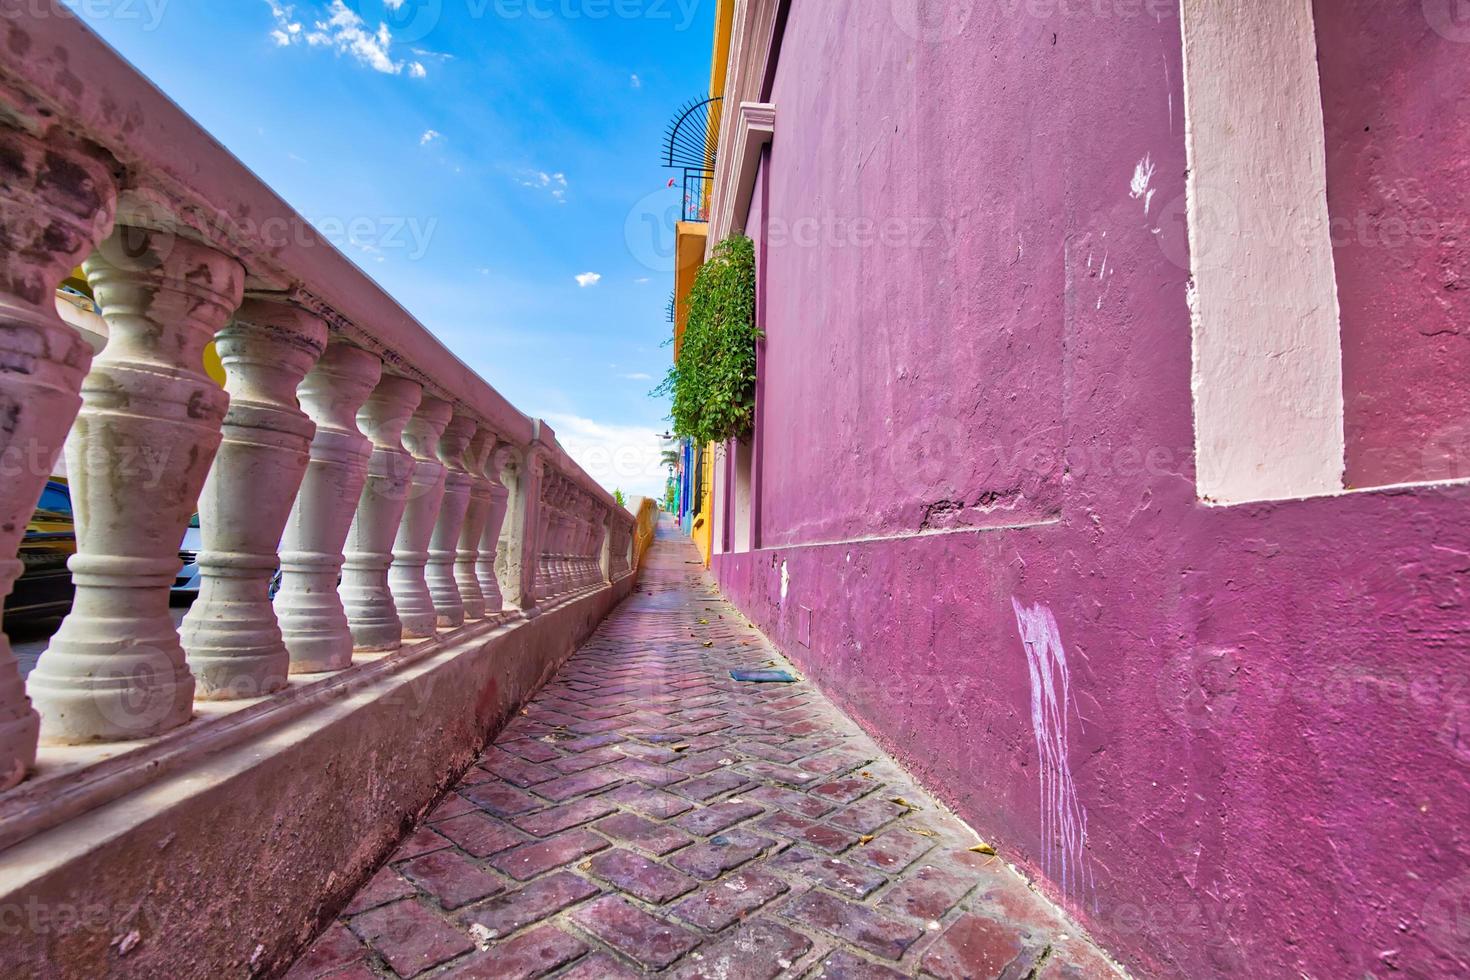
690, 244
689, 247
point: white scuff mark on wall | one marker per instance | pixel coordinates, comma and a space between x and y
1063, 818
785, 581
1143, 175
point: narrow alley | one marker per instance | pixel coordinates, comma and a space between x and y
648, 814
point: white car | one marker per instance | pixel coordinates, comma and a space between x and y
186, 584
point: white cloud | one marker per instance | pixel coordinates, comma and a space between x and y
638, 376
635, 81
430, 136
641, 280
554, 184
344, 31
589, 279
620, 457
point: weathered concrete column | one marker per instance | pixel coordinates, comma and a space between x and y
232, 641
526, 567
407, 576
371, 614
490, 538
137, 460
444, 545
313, 622
515, 533
545, 522
477, 512
55, 204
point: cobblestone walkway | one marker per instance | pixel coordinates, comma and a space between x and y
646, 814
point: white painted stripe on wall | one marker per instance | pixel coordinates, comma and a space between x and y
1267, 373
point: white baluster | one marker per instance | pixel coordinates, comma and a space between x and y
411, 548
230, 636
313, 622
137, 459
444, 545
490, 562
472, 531
55, 204
371, 614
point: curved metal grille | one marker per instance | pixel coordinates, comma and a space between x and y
690, 146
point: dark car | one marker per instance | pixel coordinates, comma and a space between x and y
44, 589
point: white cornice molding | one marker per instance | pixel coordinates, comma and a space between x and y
753, 128
752, 39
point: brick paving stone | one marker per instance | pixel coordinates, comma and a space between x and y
583, 846
479, 835
843, 965
793, 801
335, 950
452, 878
453, 805
818, 835
655, 803
977, 946
885, 935
559, 790
410, 937
600, 966
713, 819
844, 790
591, 742
542, 898
554, 820
533, 954
657, 839
587, 760
501, 799
384, 887
529, 860
529, 749
757, 951
702, 788
723, 852
893, 851
649, 774
640, 877
867, 816
927, 893
520, 772
652, 942
775, 773
831, 873
421, 841
730, 899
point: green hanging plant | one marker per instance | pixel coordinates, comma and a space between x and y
713, 380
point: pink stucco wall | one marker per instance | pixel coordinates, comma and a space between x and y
1398, 158
986, 410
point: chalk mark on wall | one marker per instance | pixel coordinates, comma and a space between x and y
1063, 818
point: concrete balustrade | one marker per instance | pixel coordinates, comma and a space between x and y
449, 605
371, 612
231, 637
115, 670
407, 578
432, 541
308, 606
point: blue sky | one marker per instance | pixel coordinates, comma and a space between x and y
500, 148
